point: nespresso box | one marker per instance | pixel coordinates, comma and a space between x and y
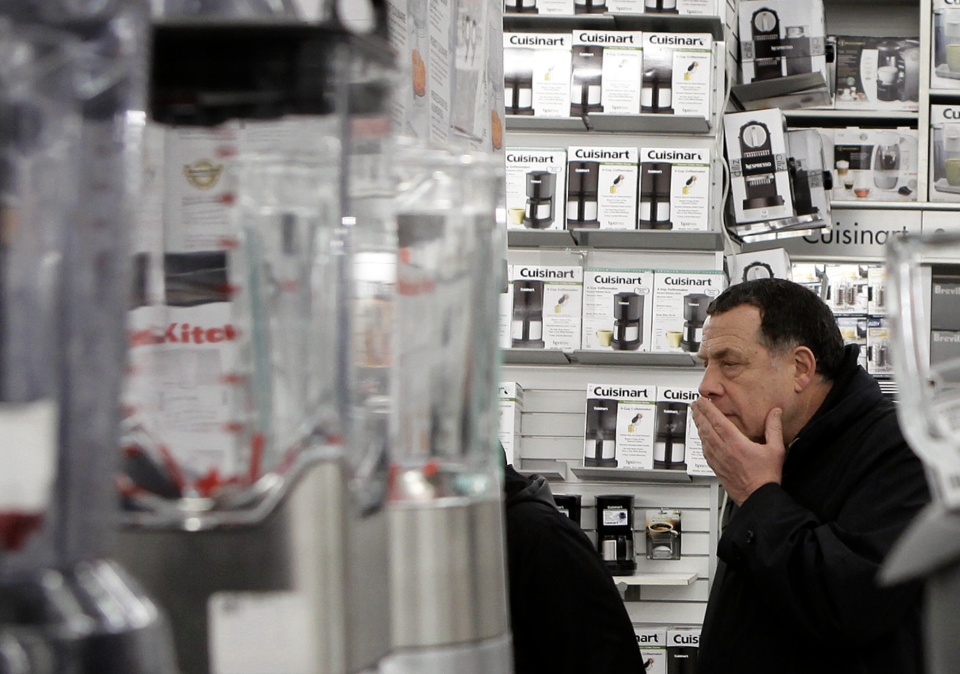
536, 180
875, 164
619, 427
602, 188
607, 69
536, 72
545, 312
780, 38
759, 178
674, 189
876, 73
663, 534
617, 309
944, 157
677, 74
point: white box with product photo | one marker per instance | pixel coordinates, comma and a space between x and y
875, 164
545, 308
674, 189
602, 188
680, 300
677, 74
668, 7
774, 263
510, 407
945, 56
677, 444
853, 330
878, 347
653, 648
536, 72
536, 180
847, 288
944, 156
617, 309
619, 427
607, 69
877, 73
757, 153
779, 38
539, 7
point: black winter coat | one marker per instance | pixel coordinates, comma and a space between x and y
795, 589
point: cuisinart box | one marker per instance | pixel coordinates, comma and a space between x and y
757, 152
680, 300
602, 187
878, 346
683, 648
780, 38
674, 189
536, 74
617, 309
684, 7
510, 403
545, 312
945, 66
677, 74
607, 70
544, 7
653, 648
536, 182
944, 157
619, 426
677, 443
505, 304
875, 164
875, 73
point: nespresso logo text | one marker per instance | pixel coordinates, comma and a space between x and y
758, 165
527, 272
536, 40
531, 158
681, 40
600, 278
671, 394
686, 639
184, 333
602, 154
687, 281
606, 38
672, 155
617, 392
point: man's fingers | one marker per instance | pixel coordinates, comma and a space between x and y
774, 428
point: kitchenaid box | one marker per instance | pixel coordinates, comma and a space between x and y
617, 309
876, 73
875, 164
680, 300
944, 158
677, 443
602, 188
757, 152
878, 347
546, 307
536, 180
607, 69
619, 427
510, 404
677, 74
945, 68
536, 72
653, 648
674, 189
541, 7
780, 38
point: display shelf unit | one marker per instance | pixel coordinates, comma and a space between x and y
670, 23
648, 123
534, 357
681, 579
819, 115
540, 238
629, 475
613, 358
649, 239
552, 470
531, 123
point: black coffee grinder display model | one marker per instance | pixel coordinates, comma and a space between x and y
767, 45
759, 167
656, 91
694, 316
583, 187
627, 321
670, 444
586, 80
518, 81
541, 190
526, 329
569, 505
600, 436
615, 533
655, 195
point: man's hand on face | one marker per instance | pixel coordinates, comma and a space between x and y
742, 465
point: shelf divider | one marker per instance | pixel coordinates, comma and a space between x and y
630, 475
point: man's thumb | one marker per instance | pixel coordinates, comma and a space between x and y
774, 429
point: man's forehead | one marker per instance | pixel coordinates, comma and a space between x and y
730, 331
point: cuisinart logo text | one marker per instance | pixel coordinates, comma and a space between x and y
601, 154
687, 281
601, 278
651, 638
537, 41
184, 333
952, 113
682, 639
677, 40
673, 155
606, 38
672, 394
853, 236
531, 158
617, 392
536, 272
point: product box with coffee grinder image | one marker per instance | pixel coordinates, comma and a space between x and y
677, 74
847, 288
653, 648
536, 181
607, 68
877, 73
536, 73
545, 313
878, 347
617, 309
510, 407
619, 427
680, 300
674, 189
875, 164
944, 157
877, 289
677, 443
602, 188
945, 66
663, 534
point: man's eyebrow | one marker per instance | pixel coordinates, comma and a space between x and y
719, 354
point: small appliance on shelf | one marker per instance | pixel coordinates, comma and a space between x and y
615, 533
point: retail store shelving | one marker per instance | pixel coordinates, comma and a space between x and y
629, 475
674, 23
681, 579
614, 358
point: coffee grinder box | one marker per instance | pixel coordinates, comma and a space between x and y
944, 158
853, 330
653, 648
546, 307
536, 183
782, 37
674, 189
663, 534
510, 403
536, 72
541, 7
606, 73
878, 347
602, 187
619, 427
945, 66
847, 288
875, 164
875, 73
680, 300
677, 74
677, 445
757, 152
683, 647
617, 309
876, 290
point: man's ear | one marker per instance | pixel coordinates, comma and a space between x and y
805, 367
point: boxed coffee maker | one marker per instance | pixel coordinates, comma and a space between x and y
683, 647
602, 188
853, 330
945, 68
780, 38
510, 404
619, 429
875, 73
677, 74
875, 164
757, 153
663, 534
607, 69
536, 180
536, 73
944, 157
680, 300
541, 7
653, 648
878, 347
674, 189
617, 309
545, 309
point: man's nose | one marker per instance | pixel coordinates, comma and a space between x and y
710, 386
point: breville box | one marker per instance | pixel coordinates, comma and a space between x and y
545, 313
536, 72
853, 330
944, 345
510, 404
757, 153
945, 303
619, 427
683, 646
877, 289
653, 648
677, 74
536, 181
541, 7
606, 72
617, 309
674, 189
680, 300
878, 347
847, 288
944, 158
663, 534
602, 187
875, 164
780, 38
945, 65
773, 263
875, 73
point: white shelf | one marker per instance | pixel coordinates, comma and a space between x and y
678, 579
895, 205
534, 357
673, 23
532, 123
852, 115
649, 239
630, 475
540, 238
552, 470
635, 358
648, 123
